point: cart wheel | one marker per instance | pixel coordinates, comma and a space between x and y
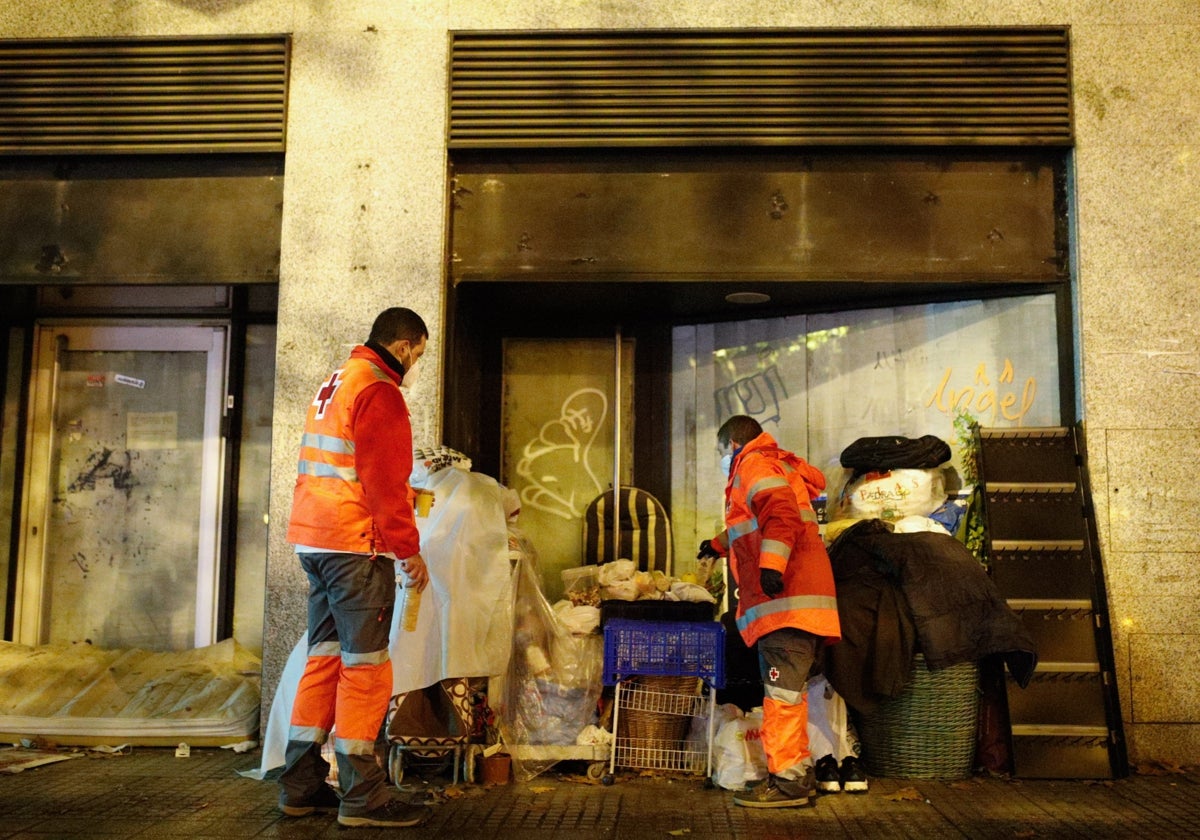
596, 770
396, 765
606, 779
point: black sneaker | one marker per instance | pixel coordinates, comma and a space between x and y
778, 793
853, 777
323, 801
391, 814
828, 778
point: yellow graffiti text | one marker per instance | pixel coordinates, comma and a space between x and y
987, 402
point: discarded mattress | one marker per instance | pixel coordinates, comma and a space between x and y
82, 695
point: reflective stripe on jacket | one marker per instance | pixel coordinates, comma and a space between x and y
770, 524
330, 508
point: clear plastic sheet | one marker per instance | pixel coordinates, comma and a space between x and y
551, 690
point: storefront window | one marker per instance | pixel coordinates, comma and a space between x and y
818, 382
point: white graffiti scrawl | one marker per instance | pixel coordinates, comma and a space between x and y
556, 463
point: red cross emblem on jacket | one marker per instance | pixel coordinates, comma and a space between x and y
325, 395
773, 674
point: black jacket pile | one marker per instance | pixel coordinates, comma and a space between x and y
903, 594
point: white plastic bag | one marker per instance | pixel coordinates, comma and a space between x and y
830, 731
580, 620
616, 571
738, 756
694, 592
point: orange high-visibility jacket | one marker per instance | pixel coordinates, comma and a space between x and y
770, 524
352, 492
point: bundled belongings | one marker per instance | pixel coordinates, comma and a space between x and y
465, 625
895, 494
918, 613
429, 722
902, 594
85, 695
548, 696
893, 478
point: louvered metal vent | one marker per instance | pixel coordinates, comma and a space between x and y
143, 96
762, 87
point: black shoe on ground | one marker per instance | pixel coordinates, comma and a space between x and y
391, 814
779, 793
853, 777
323, 801
829, 780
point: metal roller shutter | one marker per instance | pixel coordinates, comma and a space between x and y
852, 87
143, 96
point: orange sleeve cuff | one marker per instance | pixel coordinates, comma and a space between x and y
772, 561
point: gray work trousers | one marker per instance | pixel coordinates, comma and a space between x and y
350, 602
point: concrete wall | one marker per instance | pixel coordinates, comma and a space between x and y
364, 229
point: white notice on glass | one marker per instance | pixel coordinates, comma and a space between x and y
151, 429
122, 379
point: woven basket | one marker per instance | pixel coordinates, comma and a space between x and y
928, 732
666, 716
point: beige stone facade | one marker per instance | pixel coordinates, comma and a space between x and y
364, 228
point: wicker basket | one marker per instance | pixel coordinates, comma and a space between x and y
928, 732
660, 711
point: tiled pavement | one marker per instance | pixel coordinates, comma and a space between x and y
149, 793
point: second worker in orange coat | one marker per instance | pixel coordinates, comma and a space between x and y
786, 598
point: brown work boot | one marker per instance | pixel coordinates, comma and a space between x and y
780, 793
391, 814
324, 801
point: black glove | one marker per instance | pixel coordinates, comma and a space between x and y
771, 581
707, 550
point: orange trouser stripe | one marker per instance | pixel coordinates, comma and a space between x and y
362, 699
349, 698
314, 704
785, 733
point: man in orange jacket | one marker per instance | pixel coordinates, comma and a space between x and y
352, 524
786, 598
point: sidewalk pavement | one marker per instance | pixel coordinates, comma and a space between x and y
151, 793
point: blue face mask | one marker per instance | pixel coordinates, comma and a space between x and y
726, 463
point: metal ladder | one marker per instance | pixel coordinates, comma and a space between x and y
1045, 560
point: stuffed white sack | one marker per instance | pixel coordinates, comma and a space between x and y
895, 494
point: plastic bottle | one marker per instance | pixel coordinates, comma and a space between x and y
412, 606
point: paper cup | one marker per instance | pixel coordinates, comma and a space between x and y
423, 502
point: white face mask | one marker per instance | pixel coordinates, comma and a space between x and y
411, 374
726, 463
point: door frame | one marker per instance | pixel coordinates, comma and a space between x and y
207, 336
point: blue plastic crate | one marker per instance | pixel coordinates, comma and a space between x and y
667, 648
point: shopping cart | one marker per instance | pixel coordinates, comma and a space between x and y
665, 675
429, 723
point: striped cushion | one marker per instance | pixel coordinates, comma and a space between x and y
645, 531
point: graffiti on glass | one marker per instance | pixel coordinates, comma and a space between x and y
1005, 400
757, 395
556, 463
